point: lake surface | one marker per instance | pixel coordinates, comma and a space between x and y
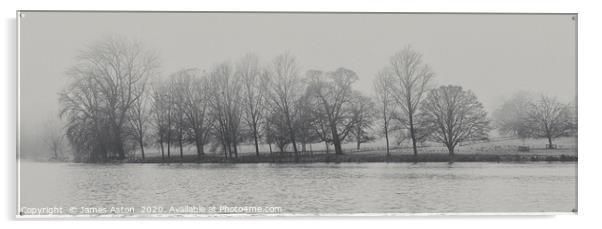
298, 188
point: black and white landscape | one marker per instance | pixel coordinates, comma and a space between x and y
195, 114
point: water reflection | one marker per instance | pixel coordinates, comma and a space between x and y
307, 188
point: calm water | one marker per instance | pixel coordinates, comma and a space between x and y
305, 188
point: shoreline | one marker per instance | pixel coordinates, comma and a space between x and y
355, 158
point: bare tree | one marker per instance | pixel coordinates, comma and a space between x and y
304, 123
333, 97
138, 121
512, 118
411, 77
162, 113
277, 130
363, 113
285, 89
254, 94
455, 116
86, 128
550, 119
573, 122
385, 102
180, 83
319, 124
226, 106
197, 96
105, 83
54, 138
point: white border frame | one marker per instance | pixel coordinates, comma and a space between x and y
19, 16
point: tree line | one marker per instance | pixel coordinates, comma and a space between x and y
527, 116
115, 104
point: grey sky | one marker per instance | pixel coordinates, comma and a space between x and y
492, 55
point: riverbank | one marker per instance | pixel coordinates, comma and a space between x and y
500, 150
357, 158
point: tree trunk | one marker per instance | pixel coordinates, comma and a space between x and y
181, 150
271, 153
549, 142
292, 135
229, 150
199, 149
235, 151
359, 137
142, 148
168, 149
295, 147
413, 135
452, 156
256, 142
386, 126
162, 150
119, 149
337, 147
119, 144
335, 139
387, 140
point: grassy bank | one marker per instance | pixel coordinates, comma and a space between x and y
365, 157
500, 150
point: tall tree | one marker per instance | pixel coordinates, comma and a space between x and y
305, 123
162, 113
277, 130
139, 122
550, 119
226, 105
254, 94
180, 82
512, 118
285, 89
411, 77
198, 120
54, 138
385, 103
363, 113
105, 83
332, 96
454, 116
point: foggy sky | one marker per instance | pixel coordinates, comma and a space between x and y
492, 55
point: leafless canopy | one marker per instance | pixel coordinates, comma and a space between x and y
227, 106
384, 101
254, 80
548, 118
363, 114
107, 81
454, 116
512, 118
410, 78
333, 97
284, 91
